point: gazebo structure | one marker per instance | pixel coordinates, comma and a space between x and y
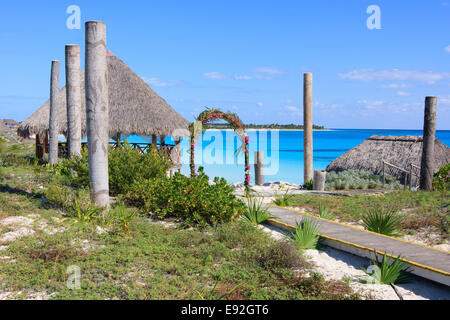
402, 154
134, 108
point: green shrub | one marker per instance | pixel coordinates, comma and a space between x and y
359, 179
382, 220
75, 203
308, 185
256, 212
387, 273
306, 234
441, 180
192, 199
76, 169
125, 165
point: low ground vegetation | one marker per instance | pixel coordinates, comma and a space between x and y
125, 255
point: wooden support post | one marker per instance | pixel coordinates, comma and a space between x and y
320, 177
155, 142
410, 176
384, 179
54, 108
39, 148
429, 132
46, 143
73, 98
259, 168
97, 111
307, 128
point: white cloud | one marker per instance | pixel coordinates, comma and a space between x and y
243, 77
403, 94
156, 82
447, 48
214, 75
371, 105
260, 104
395, 74
272, 71
293, 110
394, 86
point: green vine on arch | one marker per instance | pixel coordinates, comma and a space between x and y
235, 123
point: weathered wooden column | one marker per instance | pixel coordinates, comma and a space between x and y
73, 97
53, 125
307, 128
319, 180
97, 115
429, 132
259, 168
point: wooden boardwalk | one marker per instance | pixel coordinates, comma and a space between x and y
427, 262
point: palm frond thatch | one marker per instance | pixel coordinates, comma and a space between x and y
401, 151
134, 108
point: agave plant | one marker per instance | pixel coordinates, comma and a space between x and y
382, 220
324, 212
256, 212
306, 234
394, 272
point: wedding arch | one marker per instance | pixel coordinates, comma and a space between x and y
234, 122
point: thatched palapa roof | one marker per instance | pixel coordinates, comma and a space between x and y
134, 108
397, 150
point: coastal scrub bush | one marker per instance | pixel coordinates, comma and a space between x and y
281, 254
194, 200
441, 180
125, 165
359, 179
382, 220
256, 212
306, 234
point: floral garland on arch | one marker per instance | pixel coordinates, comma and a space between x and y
235, 123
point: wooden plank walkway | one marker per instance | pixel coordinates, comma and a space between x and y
427, 262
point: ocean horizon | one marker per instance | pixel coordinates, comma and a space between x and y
283, 150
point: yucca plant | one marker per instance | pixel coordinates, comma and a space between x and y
324, 212
382, 220
306, 234
256, 212
387, 273
283, 200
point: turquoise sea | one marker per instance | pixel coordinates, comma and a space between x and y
283, 150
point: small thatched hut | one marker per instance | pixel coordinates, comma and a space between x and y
134, 108
401, 151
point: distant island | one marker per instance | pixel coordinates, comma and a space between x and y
263, 126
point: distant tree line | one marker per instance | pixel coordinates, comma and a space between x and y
261, 126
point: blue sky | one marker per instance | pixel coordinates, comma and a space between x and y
248, 56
